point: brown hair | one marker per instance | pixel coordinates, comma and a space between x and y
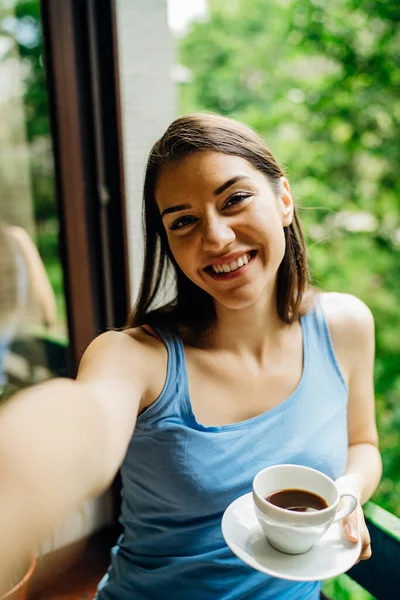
192, 307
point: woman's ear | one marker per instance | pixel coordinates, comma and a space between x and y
286, 200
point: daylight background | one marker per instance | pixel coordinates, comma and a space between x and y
319, 80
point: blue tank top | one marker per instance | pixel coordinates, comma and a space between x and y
179, 477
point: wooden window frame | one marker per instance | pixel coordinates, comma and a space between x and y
87, 145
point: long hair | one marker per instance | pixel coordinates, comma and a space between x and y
192, 307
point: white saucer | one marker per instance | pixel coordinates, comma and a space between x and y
331, 556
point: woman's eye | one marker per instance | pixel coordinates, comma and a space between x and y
181, 222
236, 198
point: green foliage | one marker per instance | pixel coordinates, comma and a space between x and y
29, 36
318, 80
48, 246
21, 22
344, 588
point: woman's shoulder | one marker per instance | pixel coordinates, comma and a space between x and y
135, 339
147, 339
137, 353
346, 312
351, 327
154, 359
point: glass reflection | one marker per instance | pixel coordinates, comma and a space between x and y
32, 307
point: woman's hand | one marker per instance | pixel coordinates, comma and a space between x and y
355, 528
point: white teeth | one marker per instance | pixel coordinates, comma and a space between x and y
232, 266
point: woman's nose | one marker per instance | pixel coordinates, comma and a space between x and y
217, 234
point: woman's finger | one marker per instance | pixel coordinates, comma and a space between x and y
366, 553
354, 527
350, 527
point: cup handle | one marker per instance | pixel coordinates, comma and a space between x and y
347, 509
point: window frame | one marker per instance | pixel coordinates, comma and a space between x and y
87, 145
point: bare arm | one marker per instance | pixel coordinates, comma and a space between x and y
48, 440
364, 465
41, 285
62, 442
352, 328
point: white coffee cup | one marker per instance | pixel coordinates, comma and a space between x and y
290, 531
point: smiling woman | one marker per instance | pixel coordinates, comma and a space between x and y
208, 157
229, 217
246, 368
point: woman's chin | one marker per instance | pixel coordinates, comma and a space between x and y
245, 298
236, 303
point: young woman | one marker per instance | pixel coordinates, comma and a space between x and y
246, 367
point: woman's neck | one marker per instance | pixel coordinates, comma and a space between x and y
255, 330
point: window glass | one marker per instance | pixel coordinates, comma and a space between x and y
33, 332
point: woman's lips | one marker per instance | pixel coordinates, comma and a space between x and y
230, 257
232, 274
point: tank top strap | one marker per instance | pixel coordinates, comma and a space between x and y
320, 342
170, 399
169, 336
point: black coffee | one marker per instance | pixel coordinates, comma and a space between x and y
298, 500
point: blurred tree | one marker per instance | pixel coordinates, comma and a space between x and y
21, 22
319, 80
21, 42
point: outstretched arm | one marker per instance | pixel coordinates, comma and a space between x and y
63, 441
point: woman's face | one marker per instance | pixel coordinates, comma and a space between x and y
224, 224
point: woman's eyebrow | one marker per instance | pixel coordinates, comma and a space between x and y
175, 209
217, 192
228, 184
